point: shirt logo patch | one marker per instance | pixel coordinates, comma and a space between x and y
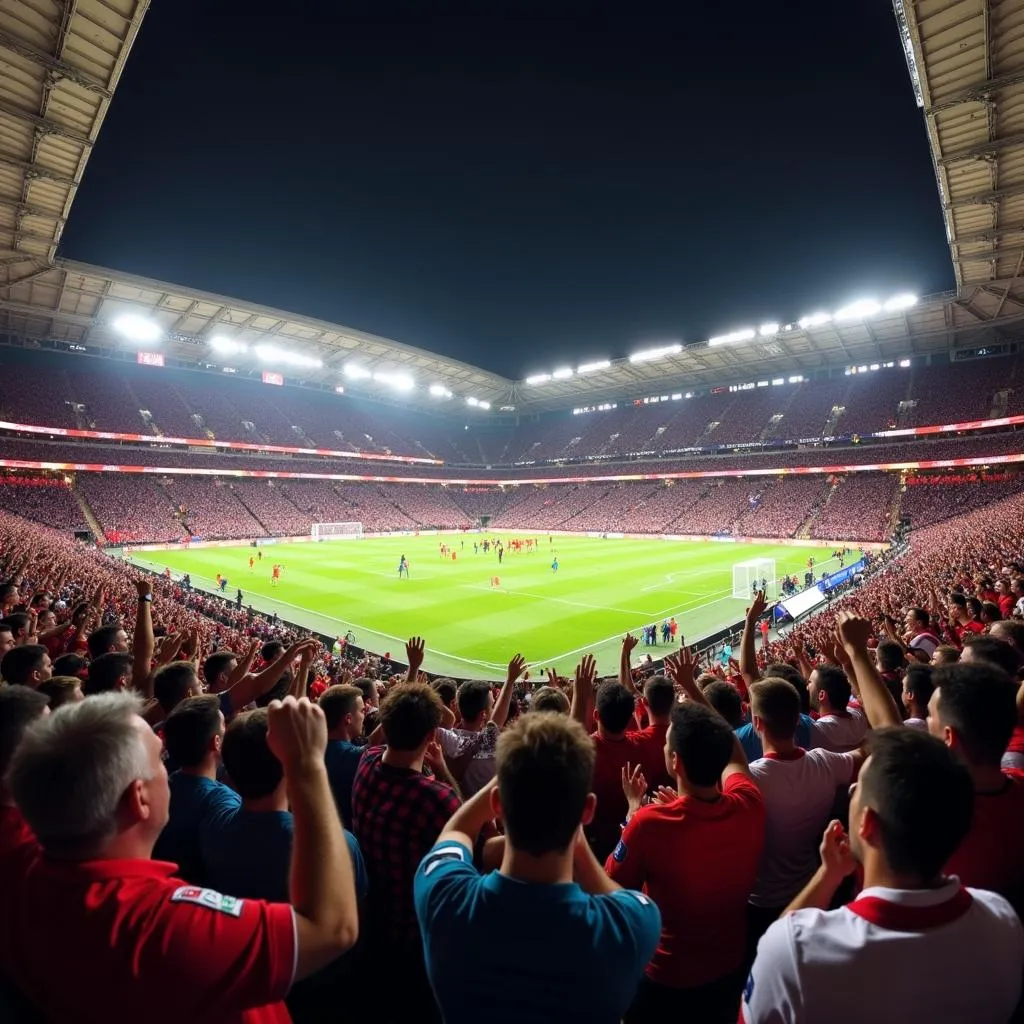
209, 898
435, 860
620, 851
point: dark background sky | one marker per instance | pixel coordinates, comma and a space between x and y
513, 184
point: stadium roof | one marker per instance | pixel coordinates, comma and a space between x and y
966, 60
60, 63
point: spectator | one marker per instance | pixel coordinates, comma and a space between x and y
193, 733
660, 697
107, 639
6, 637
838, 727
20, 706
992, 650
747, 734
62, 690
475, 928
695, 853
28, 665
108, 672
917, 692
343, 708
549, 698
909, 812
91, 785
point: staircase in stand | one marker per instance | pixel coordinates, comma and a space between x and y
88, 515
804, 530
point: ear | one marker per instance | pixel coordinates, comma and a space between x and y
589, 809
135, 807
869, 828
677, 765
495, 803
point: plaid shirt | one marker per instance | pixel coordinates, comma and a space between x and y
397, 815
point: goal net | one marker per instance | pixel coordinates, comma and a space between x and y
337, 530
753, 575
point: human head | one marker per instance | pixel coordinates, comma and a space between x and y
726, 700
253, 769
615, 707
6, 638
545, 765
111, 671
28, 665
409, 715
89, 774
1010, 630
20, 706
912, 805
889, 656
343, 708
194, 731
945, 654
106, 639
550, 698
993, 650
783, 670
8, 594
217, 670
973, 710
775, 707
698, 745
475, 702
446, 689
173, 682
829, 689
70, 665
916, 620
917, 689
62, 690
368, 688
660, 695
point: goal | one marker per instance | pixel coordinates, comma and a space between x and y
748, 576
337, 531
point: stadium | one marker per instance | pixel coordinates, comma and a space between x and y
270, 475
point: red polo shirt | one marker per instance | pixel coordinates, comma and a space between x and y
652, 754
612, 755
133, 943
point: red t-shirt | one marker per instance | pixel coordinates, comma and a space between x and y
652, 754
16, 837
604, 831
1006, 603
698, 861
135, 943
992, 853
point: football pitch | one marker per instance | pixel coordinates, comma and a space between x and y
603, 588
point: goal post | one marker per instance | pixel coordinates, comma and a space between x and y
337, 531
750, 576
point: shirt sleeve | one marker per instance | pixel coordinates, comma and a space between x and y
772, 992
228, 954
440, 881
449, 742
641, 918
843, 767
358, 865
626, 863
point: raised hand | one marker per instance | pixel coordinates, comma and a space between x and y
682, 667
757, 607
415, 649
665, 795
516, 667
433, 758
634, 785
836, 858
629, 642
586, 672
144, 588
853, 631
296, 734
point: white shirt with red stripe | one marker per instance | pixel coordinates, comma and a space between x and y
840, 733
799, 791
948, 954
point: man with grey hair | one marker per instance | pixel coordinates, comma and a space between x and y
91, 784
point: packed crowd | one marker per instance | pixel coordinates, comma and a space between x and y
204, 817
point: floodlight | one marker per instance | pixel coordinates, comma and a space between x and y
768, 329
562, 372
396, 380
484, 405
859, 310
472, 401
439, 391
600, 364
744, 334
137, 328
898, 302
538, 378
647, 354
356, 372
814, 320
904, 363
227, 346
270, 354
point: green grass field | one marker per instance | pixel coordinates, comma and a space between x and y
603, 588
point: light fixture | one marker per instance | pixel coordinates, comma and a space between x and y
472, 401
562, 373
227, 346
859, 310
898, 302
538, 378
270, 354
484, 405
137, 328
814, 320
647, 354
439, 391
768, 329
600, 364
356, 372
395, 379
744, 334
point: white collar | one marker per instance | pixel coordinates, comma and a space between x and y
915, 897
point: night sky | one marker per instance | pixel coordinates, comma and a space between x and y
519, 185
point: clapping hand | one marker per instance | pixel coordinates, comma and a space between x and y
836, 857
634, 785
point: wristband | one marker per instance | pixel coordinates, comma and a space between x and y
146, 597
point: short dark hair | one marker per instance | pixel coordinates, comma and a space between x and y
101, 640
190, 727
947, 654
702, 740
472, 699
615, 706
726, 700
59, 690
253, 769
446, 689
271, 650
920, 616
991, 611
836, 685
1012, 630
367, 687
69, 665
979, 701
105, 671
777, 703
922, 796
19, 663
20, 706
995, 652
890, 656
545, 766
215, 664
409, 714
338, 701
783, 670
660, 695
917, 680
18, 622
172, 683
550, 698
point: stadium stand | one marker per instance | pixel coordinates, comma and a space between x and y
859, 507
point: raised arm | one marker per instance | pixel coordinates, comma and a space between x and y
252, 687
748, 650
629, 643
415, 651
143, 643
516, 667
466, 824
582, 705
879, 706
